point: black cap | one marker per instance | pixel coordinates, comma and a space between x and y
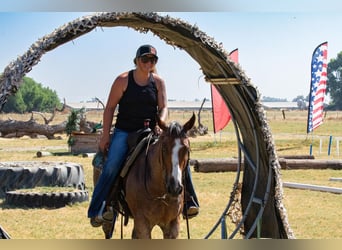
146, 50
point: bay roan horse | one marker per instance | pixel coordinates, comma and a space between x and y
154, 188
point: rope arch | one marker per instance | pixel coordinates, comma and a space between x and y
262, 186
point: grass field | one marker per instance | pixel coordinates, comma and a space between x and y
311, 214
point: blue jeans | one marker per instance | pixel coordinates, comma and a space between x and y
117, 154
190, 188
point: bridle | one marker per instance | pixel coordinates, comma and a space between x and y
163, 198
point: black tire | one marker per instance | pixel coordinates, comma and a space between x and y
48, 200
16, 175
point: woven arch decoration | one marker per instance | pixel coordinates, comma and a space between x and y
264, 214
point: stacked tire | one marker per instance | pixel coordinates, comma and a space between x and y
48, 200
18, 175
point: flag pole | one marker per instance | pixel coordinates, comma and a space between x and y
212, 106
311, 145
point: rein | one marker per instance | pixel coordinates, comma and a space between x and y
163, 197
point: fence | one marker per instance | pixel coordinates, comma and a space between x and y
328, 145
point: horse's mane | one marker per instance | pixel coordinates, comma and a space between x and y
175, 130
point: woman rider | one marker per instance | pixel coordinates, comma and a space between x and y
139, 94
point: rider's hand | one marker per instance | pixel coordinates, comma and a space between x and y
157, 130
104, 144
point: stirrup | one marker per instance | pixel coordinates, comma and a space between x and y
108, 215
192, 210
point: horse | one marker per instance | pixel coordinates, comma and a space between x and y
154, 190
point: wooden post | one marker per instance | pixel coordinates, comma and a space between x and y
43, 153
230, 164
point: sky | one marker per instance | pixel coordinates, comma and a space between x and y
275, 50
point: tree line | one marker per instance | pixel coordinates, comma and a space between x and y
32, 96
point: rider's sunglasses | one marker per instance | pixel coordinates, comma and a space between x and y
146, 59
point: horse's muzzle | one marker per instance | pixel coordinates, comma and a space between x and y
174, 187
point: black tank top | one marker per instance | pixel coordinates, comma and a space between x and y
137, 104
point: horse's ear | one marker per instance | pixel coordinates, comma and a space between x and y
161, 124
189, 124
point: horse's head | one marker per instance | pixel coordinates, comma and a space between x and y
175, 153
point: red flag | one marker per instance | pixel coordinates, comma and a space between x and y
221, 115
234, 55
319, 64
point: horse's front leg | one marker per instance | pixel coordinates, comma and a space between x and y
171, 231
141, 229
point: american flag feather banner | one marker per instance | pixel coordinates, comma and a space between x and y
318, 85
